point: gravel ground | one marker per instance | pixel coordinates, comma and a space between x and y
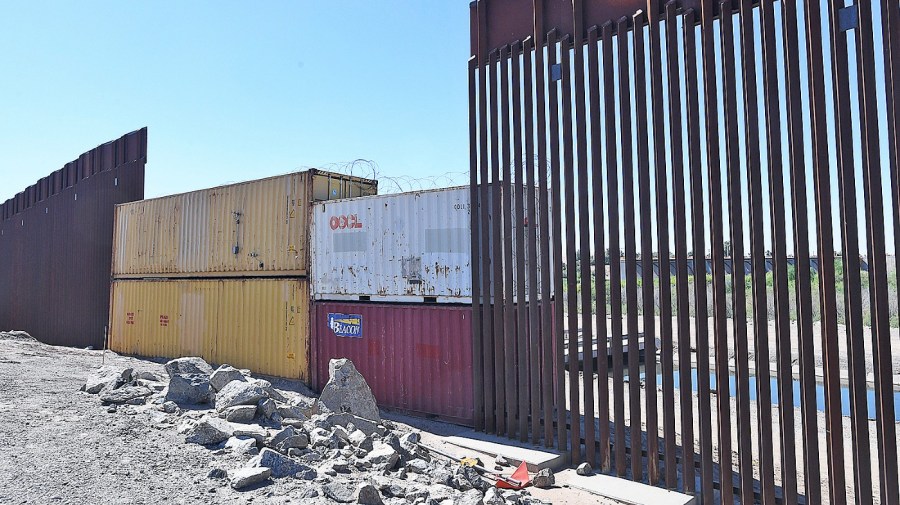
61, 445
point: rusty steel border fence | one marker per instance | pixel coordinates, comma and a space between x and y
56, 244
764, 130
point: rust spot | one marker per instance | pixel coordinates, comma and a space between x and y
428, 351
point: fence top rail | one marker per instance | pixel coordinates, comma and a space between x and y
502, 22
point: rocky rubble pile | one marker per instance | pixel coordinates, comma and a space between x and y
338, 445
15, 335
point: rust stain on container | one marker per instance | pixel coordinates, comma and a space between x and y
260, 324
251, 229
416, 358
56, 243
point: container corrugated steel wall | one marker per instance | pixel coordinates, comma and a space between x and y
251, 229
259, 324
416, 358
408, 247
56, 244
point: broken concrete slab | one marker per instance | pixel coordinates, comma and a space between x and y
625, 490
535, 457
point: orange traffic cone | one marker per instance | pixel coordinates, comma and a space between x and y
518, 480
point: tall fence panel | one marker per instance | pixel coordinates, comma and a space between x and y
56, 249
719, 217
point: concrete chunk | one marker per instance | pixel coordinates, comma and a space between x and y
244, 477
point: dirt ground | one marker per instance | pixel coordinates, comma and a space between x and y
61, 445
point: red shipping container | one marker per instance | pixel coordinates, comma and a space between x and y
416, 358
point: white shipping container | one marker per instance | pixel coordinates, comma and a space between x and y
408, 247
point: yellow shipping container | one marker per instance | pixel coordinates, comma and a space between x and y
251, 229
260, 324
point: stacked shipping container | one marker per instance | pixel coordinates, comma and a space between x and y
221, 273
392, 288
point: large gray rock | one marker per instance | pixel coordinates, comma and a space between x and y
320, 437
104, 377
544, 478
340, 491
149, 376
189, 389
16, 335
242, 445
282, 466
493, 497
329, 421
124, 394
248, 476
238, 393
382, 456
388, 486
271, 392
191, 365
291, 412
584, 469
467, 477
470, 497
266, 407
348, 392
208, 431
254, 431
440, 492
243, 414
410, 449
418, 466
361, 440
289, 438
223, 375
366, 494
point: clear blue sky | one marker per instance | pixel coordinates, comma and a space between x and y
234, 90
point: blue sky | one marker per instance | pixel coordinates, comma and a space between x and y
233, 91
